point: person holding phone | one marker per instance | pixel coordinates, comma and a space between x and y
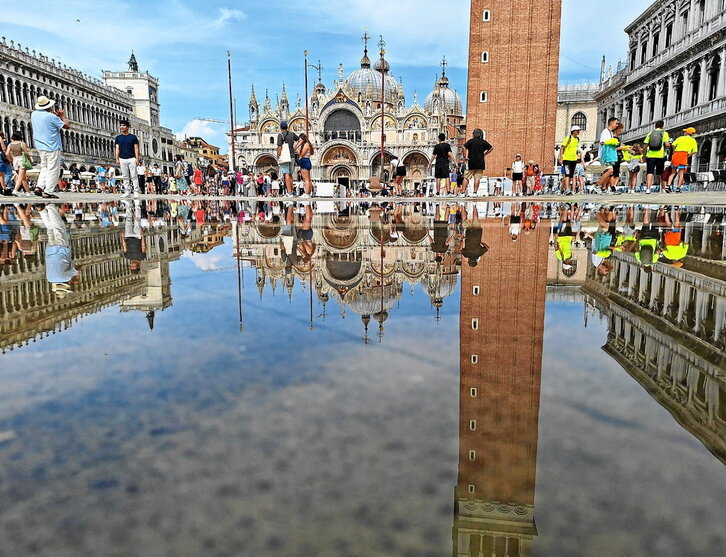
47, 126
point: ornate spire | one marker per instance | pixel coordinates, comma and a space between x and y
444, 63
133, 65
284, 93
365, 62
267, 106
253, 97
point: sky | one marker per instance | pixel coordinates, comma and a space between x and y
184, 43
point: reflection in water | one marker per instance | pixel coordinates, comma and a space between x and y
667, 329
501, 335
656, 274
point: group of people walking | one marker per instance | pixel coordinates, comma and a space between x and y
613, 154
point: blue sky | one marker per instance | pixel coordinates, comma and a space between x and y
184, 44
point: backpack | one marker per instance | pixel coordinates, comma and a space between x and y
189, 168
655, 142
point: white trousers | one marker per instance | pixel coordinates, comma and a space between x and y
49, 170
128, 172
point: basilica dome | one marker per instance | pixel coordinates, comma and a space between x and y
367, 82
451, 100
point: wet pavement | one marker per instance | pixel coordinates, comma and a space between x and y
344, 379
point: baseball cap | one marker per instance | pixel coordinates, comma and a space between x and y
690, 131
575, 129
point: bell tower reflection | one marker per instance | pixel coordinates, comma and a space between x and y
501, 336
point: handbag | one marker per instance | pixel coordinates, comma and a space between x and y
285, 155
26, 164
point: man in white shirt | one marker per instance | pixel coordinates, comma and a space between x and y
141, 175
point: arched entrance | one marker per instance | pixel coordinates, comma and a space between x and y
265, 163
703, 161
376, 164
416, 164
342, 174
339, 164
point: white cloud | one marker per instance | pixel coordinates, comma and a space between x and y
211, 132
229, 14
204, 261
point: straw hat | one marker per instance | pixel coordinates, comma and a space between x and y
44, 103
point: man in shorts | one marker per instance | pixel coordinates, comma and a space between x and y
656, 142
287, 162
475, 152
569, 153
474, 247
684, 148
675, 248
440, 162
648, 250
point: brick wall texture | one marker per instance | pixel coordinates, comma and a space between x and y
513, 281
523, 41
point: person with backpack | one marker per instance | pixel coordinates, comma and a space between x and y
656, 142
285, 155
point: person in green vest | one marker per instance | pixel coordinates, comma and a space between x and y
648, 246
569, 153
684, 147
656, 142
563, 237
674, 247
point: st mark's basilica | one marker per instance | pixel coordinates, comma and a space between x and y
346, 122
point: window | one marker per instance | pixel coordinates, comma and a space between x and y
483, 97
485, 57
472, 488
474, 358
475, 324
643, 52
579, 119
472, 455
473, 392
486, 15
633, 54
272, 141
475, 290
684, 23
669, 34
472, 425
656, 40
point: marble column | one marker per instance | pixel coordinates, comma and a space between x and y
703, 82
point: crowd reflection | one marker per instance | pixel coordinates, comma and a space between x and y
656, 273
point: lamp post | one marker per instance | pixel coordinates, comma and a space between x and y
382, 45
232, 162
319, 67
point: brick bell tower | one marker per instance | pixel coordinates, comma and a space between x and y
514, 49
501, 336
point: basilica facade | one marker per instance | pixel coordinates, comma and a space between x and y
346, 122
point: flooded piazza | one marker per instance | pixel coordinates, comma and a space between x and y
332, 378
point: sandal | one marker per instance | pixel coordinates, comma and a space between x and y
49, 196
38, 192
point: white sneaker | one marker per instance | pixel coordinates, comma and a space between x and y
305, 196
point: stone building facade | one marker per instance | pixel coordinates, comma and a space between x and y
667, 329
674, 72
501, 340
346, 121
576, 106
94, 107
514, 50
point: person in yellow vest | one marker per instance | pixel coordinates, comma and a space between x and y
569, 153
684, 148
563, 237
674, 247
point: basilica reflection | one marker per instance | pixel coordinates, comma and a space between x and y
650, 282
